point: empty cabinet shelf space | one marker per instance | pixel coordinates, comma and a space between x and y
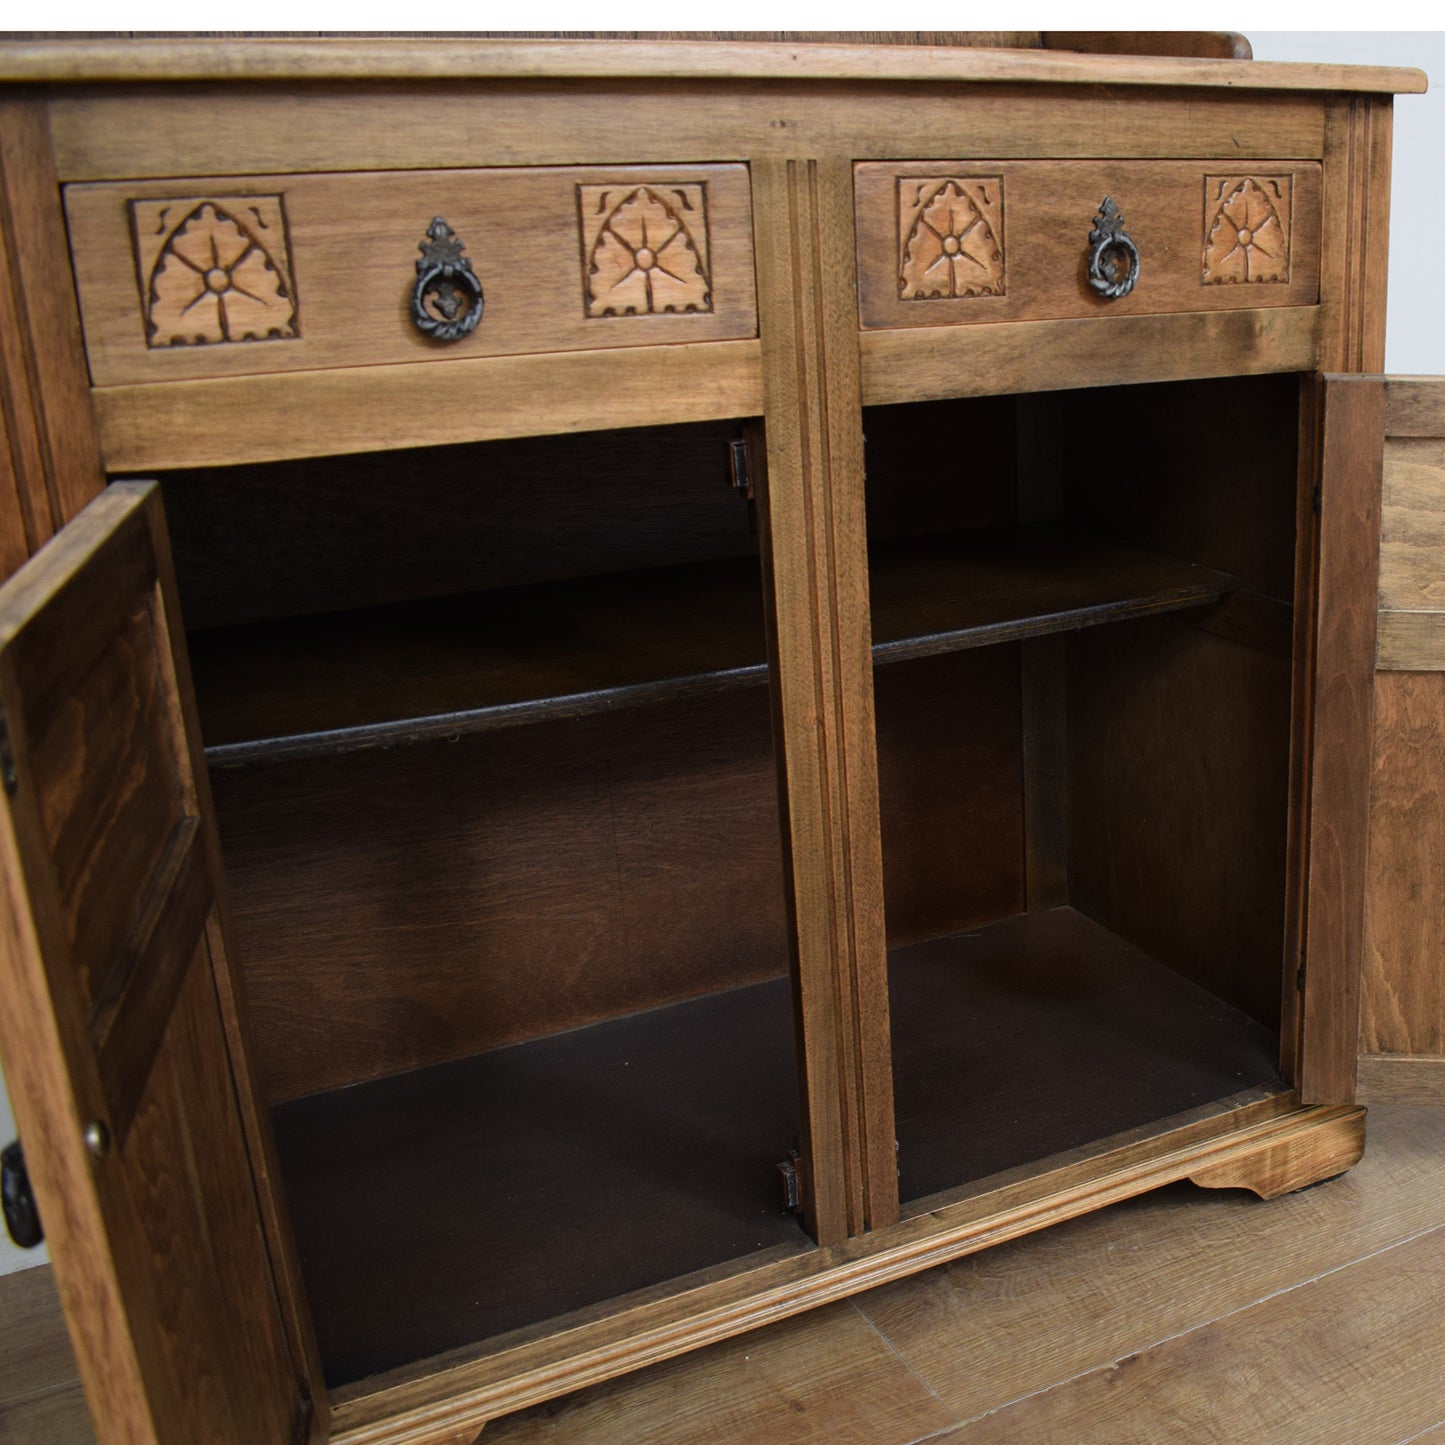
810, 742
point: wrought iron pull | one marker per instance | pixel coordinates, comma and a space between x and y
446, 302
22, 1218
1113, 257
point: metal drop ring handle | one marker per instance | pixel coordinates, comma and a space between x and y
446, 302
1113, 257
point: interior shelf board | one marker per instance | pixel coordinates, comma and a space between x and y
1046, 1032
456, 1203
379, 677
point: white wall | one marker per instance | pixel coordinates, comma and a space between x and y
1416, 316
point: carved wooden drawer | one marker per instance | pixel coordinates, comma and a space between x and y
181, 279
954, 241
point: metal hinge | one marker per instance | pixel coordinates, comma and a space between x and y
740, 469
792, 1181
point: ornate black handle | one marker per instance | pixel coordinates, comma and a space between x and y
446, 302
1113, 257
22, 1219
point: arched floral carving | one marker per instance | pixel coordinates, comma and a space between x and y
952, 237
1246, 229
214, 271
645, 249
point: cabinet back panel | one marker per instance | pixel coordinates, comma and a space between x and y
1204, 471
1178, 792
951, 791
397, 909
287, 538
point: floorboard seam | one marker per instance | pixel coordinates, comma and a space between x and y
1423, 1433
1205, 1324
902, 1360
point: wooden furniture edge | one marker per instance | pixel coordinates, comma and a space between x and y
109, 61
436, 1408
936, 362
271, 417
1401, 1079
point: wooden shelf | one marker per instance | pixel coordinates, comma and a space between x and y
555, 1175
1044, 1033
456, 1203
439, 668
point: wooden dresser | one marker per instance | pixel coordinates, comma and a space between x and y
776, 687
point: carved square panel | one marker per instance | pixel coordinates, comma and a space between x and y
1247, 229
214, 269
950, 237
644, 249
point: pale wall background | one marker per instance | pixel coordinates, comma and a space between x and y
1416, 316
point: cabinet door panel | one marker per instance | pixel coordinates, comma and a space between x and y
1402, 1012
112, 1024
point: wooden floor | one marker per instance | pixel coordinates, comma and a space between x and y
1181, 1316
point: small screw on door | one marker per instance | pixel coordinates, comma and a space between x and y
97, 1139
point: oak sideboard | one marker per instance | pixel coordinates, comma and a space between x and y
648, 683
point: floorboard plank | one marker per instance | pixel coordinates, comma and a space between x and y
1355, 1356
821, 1379
35, 1350
1009, 1321
54, 1417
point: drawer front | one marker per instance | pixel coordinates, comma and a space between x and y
182, 279
942, 243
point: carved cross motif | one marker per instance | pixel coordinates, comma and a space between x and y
950, 231
644, 249
1246, 229
214, 270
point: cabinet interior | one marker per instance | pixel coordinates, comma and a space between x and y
491, 747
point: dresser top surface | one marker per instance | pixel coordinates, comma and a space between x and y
261, 59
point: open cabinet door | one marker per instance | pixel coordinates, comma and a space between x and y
1402, 1006
115, 993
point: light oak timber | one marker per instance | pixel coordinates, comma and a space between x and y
53, 62
1412, 531
935, 362
1401, 1079
529, 234
1361, 1349
1351, 420
110, 133
993, 1328
48, 463
1402, 1009
1041, 212
1356, 215
375, 408
1414, 406
1411, 641
816, 579
439, 1393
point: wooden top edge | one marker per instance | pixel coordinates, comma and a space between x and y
410, 58
1414, 406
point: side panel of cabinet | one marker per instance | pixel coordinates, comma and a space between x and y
1402, 1012
114, 996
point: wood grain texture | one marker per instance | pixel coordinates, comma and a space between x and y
57, 1417
815, 570
48, 459
222, 421
158, 1243
348, 243
1412, 535
35, 1353
1000, 1326
1356, 222
1295, 1164
119, 133
787, 1381
1401, 1079
1414, 406
936, 362
388, 902
1402, 1008
285, 59
1352, 420
1368, 1332
1038, 228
